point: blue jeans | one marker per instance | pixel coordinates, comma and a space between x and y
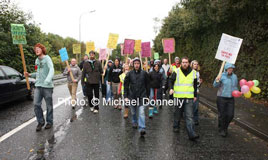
158, 93
108, 91
195, 109
141, 121
39, 94
187, 107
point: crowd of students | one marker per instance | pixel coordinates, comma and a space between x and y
133, 80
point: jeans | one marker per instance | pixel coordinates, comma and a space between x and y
158, 92
108, 91
195, 109
90, 88
141, 121
226, 112
39, 94
84, 90
187, 107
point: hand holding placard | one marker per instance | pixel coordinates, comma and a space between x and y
64, 57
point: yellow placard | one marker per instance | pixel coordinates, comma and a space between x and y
76, 48
112, 41
137, 45
90, 47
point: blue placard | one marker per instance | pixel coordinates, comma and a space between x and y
63, 54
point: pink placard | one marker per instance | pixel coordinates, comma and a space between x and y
102, 54
129, 46
169, 45
145, 49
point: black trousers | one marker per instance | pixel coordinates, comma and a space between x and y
89, 89
226, 112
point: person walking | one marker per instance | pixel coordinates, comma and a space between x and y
73, 84
136, 87
226, 84
43, 86
92, 71
183, 84
121, 88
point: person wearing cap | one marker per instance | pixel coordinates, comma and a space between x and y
183, 86
226, 84
136, 87
92, 71
157, 82
114, 80
73, 84
43, 86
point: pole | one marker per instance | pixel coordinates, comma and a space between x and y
24, 66
146, 64
71, 73
220, 72
141, 60
102, 64
106, 62
169, 58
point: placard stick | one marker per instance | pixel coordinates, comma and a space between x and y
71, 73
102, 64
141, 60
169, 58
146, 64
106, 62
24, 66
220, 72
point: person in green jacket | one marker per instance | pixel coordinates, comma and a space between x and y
43, 86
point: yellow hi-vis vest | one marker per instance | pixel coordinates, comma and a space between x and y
122, 78
174, 68
184, 86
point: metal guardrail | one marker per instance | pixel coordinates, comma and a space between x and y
240, 123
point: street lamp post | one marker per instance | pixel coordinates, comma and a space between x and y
80, 29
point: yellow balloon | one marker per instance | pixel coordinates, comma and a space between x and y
255, 90
248, 94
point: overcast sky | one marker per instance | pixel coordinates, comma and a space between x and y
128, 18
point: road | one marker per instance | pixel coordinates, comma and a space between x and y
80, 134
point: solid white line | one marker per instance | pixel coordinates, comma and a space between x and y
25, 124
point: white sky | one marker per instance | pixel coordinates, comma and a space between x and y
128, 18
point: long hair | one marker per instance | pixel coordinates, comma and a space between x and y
192, 65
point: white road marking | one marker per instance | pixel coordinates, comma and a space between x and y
25, 124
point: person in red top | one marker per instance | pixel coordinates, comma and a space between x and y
174, 66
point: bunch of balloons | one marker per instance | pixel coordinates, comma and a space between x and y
247, 87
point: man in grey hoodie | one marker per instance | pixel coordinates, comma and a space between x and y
72, 84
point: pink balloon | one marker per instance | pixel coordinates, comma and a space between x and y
250, 84
236, 93
244, 89
242, 82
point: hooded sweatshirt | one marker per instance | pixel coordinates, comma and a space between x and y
114, 73
45, 72
227, 83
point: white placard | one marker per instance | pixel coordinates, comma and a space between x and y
228, 48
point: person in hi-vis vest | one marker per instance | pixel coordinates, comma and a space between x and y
183, 84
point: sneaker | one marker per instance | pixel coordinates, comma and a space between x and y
126, 113
194, 138
135, 125
155, 110
91, 109
151, 113
96, 111
142, 133
48, 126
39, 126
73, 106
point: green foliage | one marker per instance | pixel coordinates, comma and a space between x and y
197, 26
10, 54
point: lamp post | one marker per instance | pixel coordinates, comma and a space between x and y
80, 29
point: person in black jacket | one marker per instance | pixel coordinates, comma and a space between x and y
157, 82
114, 80
136, 87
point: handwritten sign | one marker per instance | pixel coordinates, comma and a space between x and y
90, 47
138, 45
63, 54
228, 48
145, 49
156, 56
112, 41
18, 34
102, 54
169, 45
76, 48
129, 46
